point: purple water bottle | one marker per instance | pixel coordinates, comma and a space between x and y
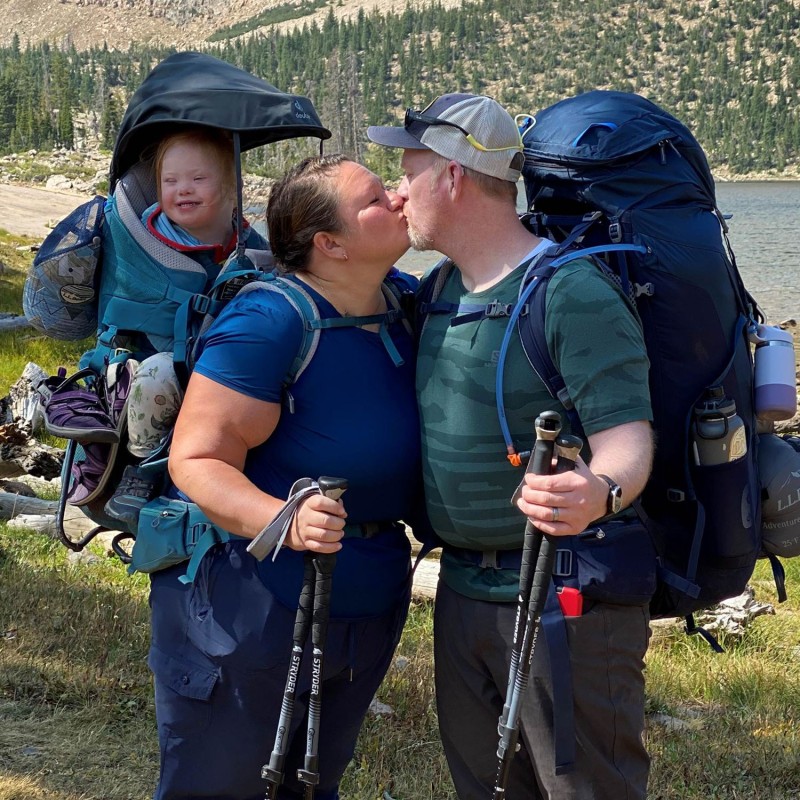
775, 389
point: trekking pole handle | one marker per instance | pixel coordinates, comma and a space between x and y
332, 487
548, 426
324, 564
568, 448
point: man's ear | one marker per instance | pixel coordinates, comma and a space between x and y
328, 245
455, 179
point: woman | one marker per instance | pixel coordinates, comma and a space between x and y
221, 647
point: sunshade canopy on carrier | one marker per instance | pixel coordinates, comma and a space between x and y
198, 89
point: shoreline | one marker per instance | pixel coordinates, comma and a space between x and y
32, 211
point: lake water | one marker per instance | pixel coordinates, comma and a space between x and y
762, 233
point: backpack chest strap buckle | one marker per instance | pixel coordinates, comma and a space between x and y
497, 309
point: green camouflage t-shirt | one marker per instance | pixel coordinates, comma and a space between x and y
595, 342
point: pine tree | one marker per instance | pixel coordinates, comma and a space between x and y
109, 121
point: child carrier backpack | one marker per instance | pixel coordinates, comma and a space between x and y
102, 271
611, 177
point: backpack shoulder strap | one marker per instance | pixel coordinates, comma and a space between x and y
430, 288
303, 303
398, 289
529, 316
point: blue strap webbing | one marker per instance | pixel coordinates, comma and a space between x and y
181, 340
779, 575
210, 537
384, 320
555, 632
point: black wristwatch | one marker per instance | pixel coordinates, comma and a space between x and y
614, 501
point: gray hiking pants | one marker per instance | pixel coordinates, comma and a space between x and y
155, 400
472, 646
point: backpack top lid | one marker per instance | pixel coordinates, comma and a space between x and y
600, 128
198, 89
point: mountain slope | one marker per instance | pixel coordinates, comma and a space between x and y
178, 23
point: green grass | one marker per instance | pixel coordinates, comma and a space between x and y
76, 708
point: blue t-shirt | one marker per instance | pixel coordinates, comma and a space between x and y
355, 416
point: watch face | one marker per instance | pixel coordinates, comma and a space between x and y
614, 503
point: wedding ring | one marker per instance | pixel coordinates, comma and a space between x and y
555, 514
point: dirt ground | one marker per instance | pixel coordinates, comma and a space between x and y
27, 211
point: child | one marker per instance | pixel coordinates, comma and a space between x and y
195, 215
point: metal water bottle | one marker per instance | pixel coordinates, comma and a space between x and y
719, 435
774, 373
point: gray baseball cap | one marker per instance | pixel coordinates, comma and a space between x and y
473, 130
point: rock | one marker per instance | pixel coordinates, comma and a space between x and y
17, 487
58, 182
378, 709
25, 403
674, 723
733, 615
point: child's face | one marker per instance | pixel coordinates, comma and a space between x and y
193, 193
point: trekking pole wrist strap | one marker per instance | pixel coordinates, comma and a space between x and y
273, 535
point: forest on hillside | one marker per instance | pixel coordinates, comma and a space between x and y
731, 71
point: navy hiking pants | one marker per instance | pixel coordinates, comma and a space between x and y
220, 655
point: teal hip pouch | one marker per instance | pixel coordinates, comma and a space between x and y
171, 532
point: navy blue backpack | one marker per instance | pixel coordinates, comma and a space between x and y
607, 169
611, 176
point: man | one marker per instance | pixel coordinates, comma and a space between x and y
462, 159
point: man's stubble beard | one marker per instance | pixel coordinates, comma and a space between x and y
419, 240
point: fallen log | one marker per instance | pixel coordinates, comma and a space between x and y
39, 516
426, 578
76, 523
12, 505
10, 323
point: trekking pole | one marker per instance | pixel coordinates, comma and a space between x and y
568, 448
273, 771
548, 426
324, 564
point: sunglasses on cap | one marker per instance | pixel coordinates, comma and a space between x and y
416, 123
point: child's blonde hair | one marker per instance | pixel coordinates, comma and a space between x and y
220, 143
